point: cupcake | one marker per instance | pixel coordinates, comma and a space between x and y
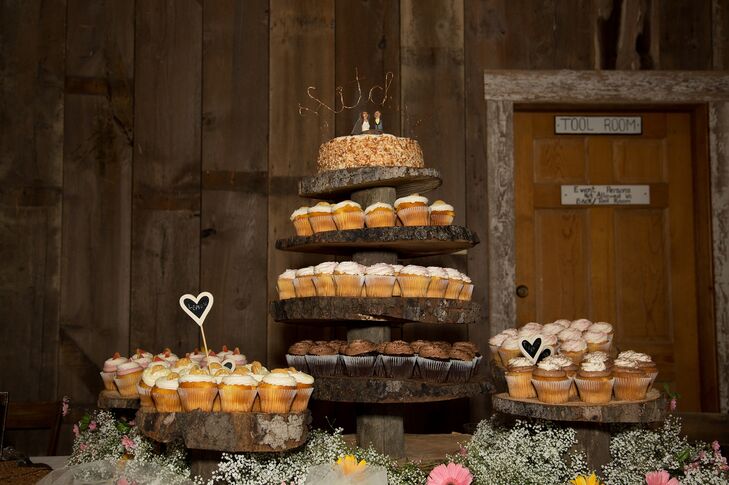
414, 281
582, 324
455, 284
511, 332
645, 363
594, 382
359, 358
224, 353
142, 358
379, 214
164, 394
551, 383
398, 359
322, 360
574, 349
300, 218
597, 341
519, 378
569, 367
197, 355
285, 285
109, 371
304, 388
304, 282
531, 326
277, 391
462, 363
296, 355
413, 210
552, 329
237, 393
569, 334
320, 218
379, 280
433, 362
494, 344
349, 279
441, 214
467, 290
348, 215
128, 375
603, 327
631, 383
598, 356
324, 279
197, 391
418, 344
509, 349
438, 282
168, 356
237, 357
473, 348
146, 383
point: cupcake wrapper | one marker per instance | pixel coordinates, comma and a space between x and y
413, 286
380, 367
476, 364
460, 371
380, 219
520, 387
324, 285
507, 355
466, 292
397, 366
378, 286
653, 376
217, 407
596, 392
454, 289
599, 347
359, 365
285, 289
256, 404
303, 227
553, 392
237, 400
304, 286
349, 285
167, 403
276, 400
437, 287
298, 362
433, 370
396, 290
631, 388
414, 216
440, 219
108, 378
349, 220
301, 401
127, 384
145, 396
322, 365
322, 223
197, 398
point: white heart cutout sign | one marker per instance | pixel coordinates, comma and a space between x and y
197, 307
534, 348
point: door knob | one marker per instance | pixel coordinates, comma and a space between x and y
522, 291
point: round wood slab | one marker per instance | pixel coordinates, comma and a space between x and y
231, 432
392, 311
650, 410
113, 400
407, 242
334, 184
386, 390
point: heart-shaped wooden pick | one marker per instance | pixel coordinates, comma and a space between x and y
197, 307
534, 348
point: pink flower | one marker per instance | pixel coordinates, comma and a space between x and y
451, 474
660, 477
715, 446
122, 481
673, 404
76, 430
92, 425
461, 450
83, 446
128, 443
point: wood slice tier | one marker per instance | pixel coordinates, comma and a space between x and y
114, 400
231, 432
334, 184
387, 311
407, 242
386, 390
651, 409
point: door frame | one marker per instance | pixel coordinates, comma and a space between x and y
705, 93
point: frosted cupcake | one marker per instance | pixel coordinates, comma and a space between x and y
414, 281
321, 219
197, 391
304, 282
519, 378
441, 214
304, 388
462, 364
551, 383
349, 278
348, 214
471, 347
569, 367
581, 324
467, 290
198, 355
109, 371
569, 334
494, 344
128, 375
597, 341
324, 279
552, 329
142, 358
168, 356
631, 383
599, 357
508, 350
380, 214
146, 383
645, 363
413, 210
296, 355
285, 285
164, 394
237, 393
594, 382
563, 323
531, 326
183, 366
379, 280
322, 360
224, 353
455, 284
300, 219
277, 391
438, 282
237, 357
398, 359
359, 358
574, 349
603, 327
433, 362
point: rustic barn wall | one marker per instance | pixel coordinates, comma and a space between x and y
153, 148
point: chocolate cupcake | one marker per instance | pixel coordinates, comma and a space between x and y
417, 344
359, 358
434, 362
477, 357
462, 363
296, 356
322, 360
398, 360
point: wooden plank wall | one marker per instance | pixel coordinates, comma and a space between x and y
153, 148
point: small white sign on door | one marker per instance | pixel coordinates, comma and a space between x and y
598, 125
606, 194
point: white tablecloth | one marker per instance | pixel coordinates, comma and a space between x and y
54, 462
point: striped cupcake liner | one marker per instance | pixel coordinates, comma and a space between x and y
359, 365
433, 370
197, 398
520, 387
553, 392
237, 400
398, 366
274, 400
596, 392
298, 362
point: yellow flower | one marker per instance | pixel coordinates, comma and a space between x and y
585, 480
349, 466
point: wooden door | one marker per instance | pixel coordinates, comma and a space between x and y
631, 265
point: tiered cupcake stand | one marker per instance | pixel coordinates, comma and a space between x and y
380, 416
113, 400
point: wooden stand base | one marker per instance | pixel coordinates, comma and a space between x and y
381, 426
114, 400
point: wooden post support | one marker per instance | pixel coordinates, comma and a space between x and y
382, 427
367, 197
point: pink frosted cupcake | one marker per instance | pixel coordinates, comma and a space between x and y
142, 358
574, 349
603, 327
324, 279
531, 326
379, 280
109, 372
168, 356
563, 323
552, 329
581, 324
597, 341
128, 375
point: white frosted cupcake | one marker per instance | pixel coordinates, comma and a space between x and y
597, 341
324, 278
348, 214
277, 391
603, 327
438, 282
455, 284
413, 210
414, 281
594, 382
168, 356
494, 344
509, 349
349, 278
237, 393
574, 349
304, 388
285, 284
552, 329
321, 219
380, 214
441, 214
551, 382
519, 378
164, 394
197, 391
563, 323
300, 219
467, 290
379, 280
304, 282
127, 377
581, 324
569, 334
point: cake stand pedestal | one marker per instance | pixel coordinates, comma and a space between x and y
113, 400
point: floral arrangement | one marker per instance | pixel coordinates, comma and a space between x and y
586, 480
450, 474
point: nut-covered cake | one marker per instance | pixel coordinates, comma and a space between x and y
369, 151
